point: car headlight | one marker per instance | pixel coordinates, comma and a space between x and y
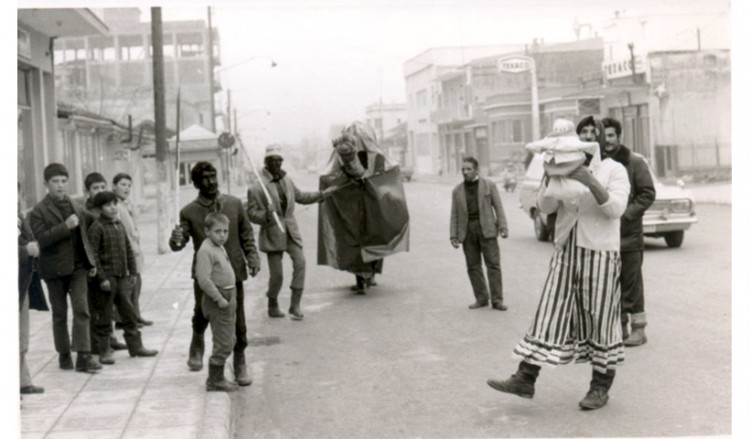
681, 206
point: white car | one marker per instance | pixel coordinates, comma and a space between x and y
671, 214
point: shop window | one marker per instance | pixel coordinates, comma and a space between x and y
517, 132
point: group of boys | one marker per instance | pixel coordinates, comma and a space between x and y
88, 250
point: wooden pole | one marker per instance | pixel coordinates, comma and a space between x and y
210, 53
177, 163
160, 131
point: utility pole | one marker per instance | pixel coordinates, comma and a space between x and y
698, 32
632, 61
229, 111
210, 53
160, 132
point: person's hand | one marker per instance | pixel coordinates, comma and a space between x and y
222, 303
582, 175
92, 272
177, 235
72, 222
32, 249
504, 233
455, 243
328, 191
269, 217
104, 285
253, 270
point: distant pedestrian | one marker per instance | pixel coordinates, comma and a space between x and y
115, 262
274, 241
577, 315
65, 262
477, 218
215, 275
642, 196
121, 186
240, 246
30, 294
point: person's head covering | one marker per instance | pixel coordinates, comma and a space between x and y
273, 151
586, 121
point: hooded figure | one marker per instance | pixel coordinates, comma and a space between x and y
366, 218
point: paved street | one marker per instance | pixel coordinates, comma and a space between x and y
410, 360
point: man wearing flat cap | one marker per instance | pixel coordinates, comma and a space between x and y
270, 204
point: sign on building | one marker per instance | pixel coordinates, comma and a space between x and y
623, 67
514, 64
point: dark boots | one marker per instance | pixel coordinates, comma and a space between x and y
66, 361
520, 383
240, 370
86, 363
273, 308
116, 345
105, 351
135, 346
295, 312
637, 335
195, 355
216, 381
598, 395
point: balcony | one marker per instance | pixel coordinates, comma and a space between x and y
451, 115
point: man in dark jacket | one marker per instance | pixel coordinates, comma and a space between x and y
274, 241
240, 248
30, 294
477, 218
65, 262
642, 195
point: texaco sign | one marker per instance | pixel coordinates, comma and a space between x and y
514, 64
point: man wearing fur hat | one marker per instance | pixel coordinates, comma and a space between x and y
270, 204
642, 195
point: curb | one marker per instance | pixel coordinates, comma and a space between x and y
218, 422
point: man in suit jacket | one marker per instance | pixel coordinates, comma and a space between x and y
477, 218
273, 240
240, 248
65, 262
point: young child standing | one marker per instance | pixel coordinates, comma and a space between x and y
215, 275
115, 270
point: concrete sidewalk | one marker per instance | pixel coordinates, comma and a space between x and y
136, 397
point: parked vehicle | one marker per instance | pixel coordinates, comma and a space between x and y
672, 213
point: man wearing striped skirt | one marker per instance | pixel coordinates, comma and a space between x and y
578, 317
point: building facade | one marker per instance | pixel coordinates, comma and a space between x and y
37, 106
421, 75
112, 74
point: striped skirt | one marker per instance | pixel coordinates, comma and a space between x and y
579, 312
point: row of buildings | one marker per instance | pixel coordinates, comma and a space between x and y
86, 97
674, 102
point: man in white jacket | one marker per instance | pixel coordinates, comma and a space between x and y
578, 317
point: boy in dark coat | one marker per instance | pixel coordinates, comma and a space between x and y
115, 263
65, 262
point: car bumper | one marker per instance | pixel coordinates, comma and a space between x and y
657, 227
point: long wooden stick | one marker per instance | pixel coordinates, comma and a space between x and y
177, 162
263, 187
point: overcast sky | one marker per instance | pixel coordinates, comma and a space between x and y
336, 57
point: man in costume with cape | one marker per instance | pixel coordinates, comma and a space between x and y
366, 218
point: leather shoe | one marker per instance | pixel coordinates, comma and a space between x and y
145, 322
477, 305
28, 390
66, 361
595, 398
499, 307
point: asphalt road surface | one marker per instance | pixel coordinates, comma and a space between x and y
409, 359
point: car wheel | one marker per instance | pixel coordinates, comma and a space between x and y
674, 239
540, 230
